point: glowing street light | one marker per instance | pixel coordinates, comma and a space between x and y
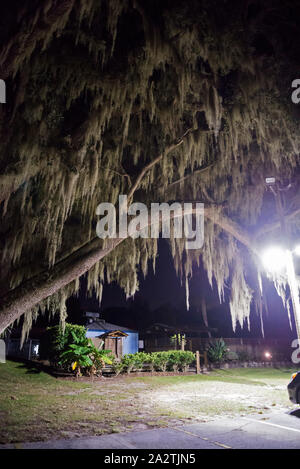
283, 258
274, 259
277, 260
297, 250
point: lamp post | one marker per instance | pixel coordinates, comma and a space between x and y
289, 264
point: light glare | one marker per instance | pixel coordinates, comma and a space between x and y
297, 250
274, 259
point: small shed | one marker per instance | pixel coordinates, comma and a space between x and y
120, 340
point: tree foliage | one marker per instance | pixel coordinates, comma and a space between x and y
196, 92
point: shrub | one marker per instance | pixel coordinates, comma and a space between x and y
150, 361
161, 360
118, 366
180, 359
84, 357
128, 362
101, 358
185, 359
140, 358
56, 340
134, 361
72, 350
174, 359
243, 356
217, 351
77, 356
231, 355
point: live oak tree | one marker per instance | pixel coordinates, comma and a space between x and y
162, 100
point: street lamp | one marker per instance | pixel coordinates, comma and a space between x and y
274, 259
297, 250
277, 258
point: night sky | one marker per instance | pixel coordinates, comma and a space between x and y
161, 298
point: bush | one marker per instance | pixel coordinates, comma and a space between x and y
244, 356
129, 362
185, 359
56, 340
117, 366
84, 357
70, 349
160, 360
180, 359
217, 351
231, 355
134, 361
174, 359
150, 361
101, 358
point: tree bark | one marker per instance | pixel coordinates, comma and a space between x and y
34, 290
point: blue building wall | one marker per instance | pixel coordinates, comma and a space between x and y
130, 343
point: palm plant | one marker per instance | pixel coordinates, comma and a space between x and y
83, 355
77, 356
217, 351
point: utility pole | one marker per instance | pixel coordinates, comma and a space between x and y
291, 275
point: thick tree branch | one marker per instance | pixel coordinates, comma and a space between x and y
188, 176
154, 162
34, 290
276, 225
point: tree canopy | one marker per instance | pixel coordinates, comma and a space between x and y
163, 100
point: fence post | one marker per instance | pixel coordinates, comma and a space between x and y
183, 343
197, 362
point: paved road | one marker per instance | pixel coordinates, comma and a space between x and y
269, 431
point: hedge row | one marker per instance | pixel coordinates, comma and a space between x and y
172, 360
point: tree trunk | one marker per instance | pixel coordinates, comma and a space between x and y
33, 291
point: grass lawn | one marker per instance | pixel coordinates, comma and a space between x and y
36, 406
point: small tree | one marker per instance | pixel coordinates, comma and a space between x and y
85, 357
217, 351
179, 341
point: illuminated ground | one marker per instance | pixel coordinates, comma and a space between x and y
35, 406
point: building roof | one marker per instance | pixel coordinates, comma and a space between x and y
101, 325
113, 335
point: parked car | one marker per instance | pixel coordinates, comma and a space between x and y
294, 388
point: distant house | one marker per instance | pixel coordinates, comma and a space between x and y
158, 336
30, 349
120, 340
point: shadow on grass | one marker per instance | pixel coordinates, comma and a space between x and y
36, 368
